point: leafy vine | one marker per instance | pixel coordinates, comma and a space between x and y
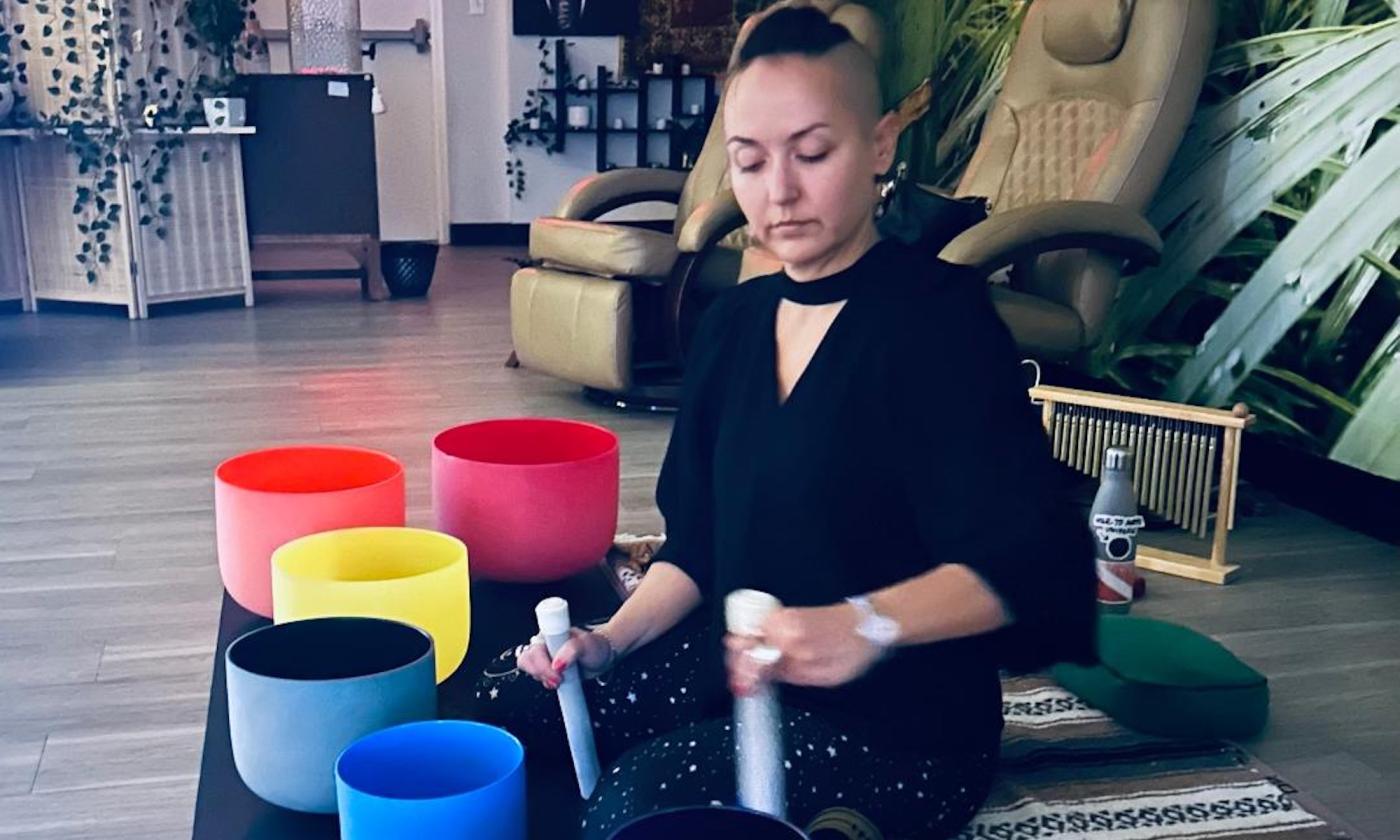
537, 111
98, 98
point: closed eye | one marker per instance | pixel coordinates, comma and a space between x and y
817, 158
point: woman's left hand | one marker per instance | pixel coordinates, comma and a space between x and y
818, 646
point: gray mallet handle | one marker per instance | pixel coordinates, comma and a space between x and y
553, 615
758, 740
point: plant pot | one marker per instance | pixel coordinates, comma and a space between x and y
446, 778
408, 267
403, 574
224, 112
536, 499
300, 693
705, 822
7, 101
265, 498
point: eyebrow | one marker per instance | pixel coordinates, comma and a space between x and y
747, 141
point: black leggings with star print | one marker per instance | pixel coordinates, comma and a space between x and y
660, 749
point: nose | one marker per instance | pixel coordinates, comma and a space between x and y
782, 183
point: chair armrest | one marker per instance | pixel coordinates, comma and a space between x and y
1024, 232
595, 195
711, 221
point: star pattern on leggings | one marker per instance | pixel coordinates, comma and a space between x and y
694, 768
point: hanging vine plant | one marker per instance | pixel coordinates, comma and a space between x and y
536, 124
7, 70
63, 33
211, 33
76, 61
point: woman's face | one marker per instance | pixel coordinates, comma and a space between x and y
803, 157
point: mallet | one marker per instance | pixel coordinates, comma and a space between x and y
758, 740
553, 615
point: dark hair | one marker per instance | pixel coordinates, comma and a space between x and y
800, 30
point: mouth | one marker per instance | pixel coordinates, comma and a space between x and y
790, 225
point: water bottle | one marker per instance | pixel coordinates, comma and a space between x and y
1115, 522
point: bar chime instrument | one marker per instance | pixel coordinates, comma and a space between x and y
1186, 464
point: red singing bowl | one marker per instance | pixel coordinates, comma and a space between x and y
265, 498
533, 499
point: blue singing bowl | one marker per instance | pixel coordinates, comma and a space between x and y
705, 823
300, 693
439, 779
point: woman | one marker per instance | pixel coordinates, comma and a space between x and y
855, 440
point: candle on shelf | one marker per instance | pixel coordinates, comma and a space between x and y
534, 123
695, 108
661, 123
656, 68
685, 69
618, 123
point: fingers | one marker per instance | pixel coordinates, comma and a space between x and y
535, 661
746, 672
549, 671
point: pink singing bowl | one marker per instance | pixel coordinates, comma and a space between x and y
533, 499
265, 498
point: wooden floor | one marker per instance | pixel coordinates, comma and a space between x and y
109, 592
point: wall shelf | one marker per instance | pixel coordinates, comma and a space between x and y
681, 122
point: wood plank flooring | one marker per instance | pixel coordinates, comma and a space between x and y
109, 592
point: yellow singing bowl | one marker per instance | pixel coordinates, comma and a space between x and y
411, 575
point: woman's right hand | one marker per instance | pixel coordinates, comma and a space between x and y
593, 653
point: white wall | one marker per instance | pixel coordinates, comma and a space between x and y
488, 71
477, 77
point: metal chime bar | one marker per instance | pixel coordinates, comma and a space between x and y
1186, 464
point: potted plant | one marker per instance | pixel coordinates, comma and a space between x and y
218, 26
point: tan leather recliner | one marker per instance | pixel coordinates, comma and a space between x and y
606, 305
1096, 98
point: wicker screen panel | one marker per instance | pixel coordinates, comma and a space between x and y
12, 265
204, 250
50, 181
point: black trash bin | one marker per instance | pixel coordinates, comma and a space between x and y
408, 267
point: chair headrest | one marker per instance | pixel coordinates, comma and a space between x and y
1085, 31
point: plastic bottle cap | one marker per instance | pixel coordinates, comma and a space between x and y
1118, 458
745, 610
553, 615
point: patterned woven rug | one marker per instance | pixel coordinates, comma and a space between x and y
1069, 771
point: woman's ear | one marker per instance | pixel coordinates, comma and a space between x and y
886, 140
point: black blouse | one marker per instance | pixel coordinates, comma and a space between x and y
909, 441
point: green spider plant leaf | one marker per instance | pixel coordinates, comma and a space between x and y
1386, 350
1371, 441
1342, 224
1313, 390
1328, 12
1237, 157
1360, 278
1275, 47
